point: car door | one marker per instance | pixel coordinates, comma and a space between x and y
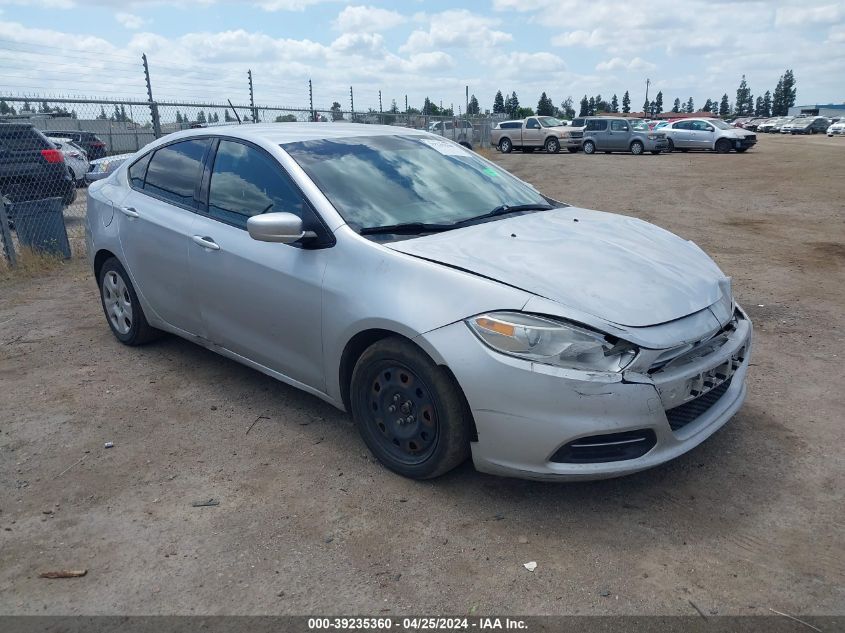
260, 300
532, 134
702, 134
682, 134
617, 135
599, 133
154, 224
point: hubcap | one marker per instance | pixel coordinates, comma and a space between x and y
401, 413
117, 302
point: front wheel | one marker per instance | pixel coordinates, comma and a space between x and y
723, 146
409, 411
589, 147
505, 146
121, 306
671, 146
637, 148
552, 145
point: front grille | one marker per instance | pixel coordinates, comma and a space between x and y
576, 135
682, 415
612, 447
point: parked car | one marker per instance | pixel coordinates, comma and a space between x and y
555, 342
806, 125
461, 131
768, 124
31, 168
708, 134
536, 132
837, 129
611, 134
75, 158
752, 125
102, 167
90, 142
778, 125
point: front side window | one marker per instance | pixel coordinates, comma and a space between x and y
138, 171
396, 179
245, 182
174, 171
532, 124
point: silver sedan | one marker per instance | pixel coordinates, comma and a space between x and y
453, 309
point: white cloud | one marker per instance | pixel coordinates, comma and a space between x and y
130, 20
802, 15
456, 28
617, 63
288, 5
369, 19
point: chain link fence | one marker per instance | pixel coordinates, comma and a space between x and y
51, 149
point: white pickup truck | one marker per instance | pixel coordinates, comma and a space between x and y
536, 132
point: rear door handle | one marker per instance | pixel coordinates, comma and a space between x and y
129, 211
205, 242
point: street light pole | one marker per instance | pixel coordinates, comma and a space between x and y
647, 83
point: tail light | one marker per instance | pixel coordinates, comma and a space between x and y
98, 144
52, 156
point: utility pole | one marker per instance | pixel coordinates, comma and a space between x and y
379, 101
467, 104
647, 83
153, 104
252, 98
352, 102
311, 101
406, 104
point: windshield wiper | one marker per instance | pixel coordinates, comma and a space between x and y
406, 228
503, 209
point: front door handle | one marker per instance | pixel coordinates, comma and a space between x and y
205, 242
130, 212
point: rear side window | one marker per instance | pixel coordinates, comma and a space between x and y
246, 181
138, 171
510, 126
596, 125
619, 126
17, 138
174, 170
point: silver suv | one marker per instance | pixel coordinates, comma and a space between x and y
611, 134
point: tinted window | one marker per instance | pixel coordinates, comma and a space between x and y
245, 182
510, 126
533, 124
596, 125
619, 126
138, 171
174, 170
682, 125
577, 123
15, 138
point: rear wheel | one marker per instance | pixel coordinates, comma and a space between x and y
121, 306
637, 148
552, 145
409, 411
505, 146
723, 146
589, 147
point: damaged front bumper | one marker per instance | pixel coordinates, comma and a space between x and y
537, 421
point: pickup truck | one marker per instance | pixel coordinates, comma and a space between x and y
535, 132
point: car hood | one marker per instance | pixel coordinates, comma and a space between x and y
617, 268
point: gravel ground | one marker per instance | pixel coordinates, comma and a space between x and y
308, 522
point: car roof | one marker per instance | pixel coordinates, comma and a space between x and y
281, 133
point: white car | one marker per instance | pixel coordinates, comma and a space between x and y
837, 129
75, 158
708, 134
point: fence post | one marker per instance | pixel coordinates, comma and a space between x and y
252, 98
352, 103
153, 104
8, 246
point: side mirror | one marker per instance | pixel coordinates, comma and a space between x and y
285, 228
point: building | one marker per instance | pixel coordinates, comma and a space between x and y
829, 110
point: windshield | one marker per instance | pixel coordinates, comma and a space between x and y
638, 125
385, 180
549, 121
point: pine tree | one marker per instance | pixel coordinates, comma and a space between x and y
228, 118
614, 104
676, 107
767, 104
744, 100
777, 99
473, 109
26, 107
724, 106
123, 116
178, 117
690, 107
44, 107
4, 107
758, 106
591, 106
658, 103
545, 107
201, 117
116, 115
566, 109
707, 106
102, 116
789, 91
626, 103
647, 107
585, 107
498, 103
514, 105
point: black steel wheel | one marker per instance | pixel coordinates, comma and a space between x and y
409, 411
723, 146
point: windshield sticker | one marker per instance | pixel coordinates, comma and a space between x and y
491, 172
445, 147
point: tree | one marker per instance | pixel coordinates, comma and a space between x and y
676, 107
614, 104
102, 116
514, 105
336, 113
566, 108
708, 106
591, 106
473, 109
228, 118
789, 91
758, 106
647, 107
690, 107
286, 118
626, 103
4, 107
744, 101
724, 106
214, 118
658, 103
767, 104
393, 107
178, 117
44, 107
585, 107
26, 107
545, 107
201, 117
498, 103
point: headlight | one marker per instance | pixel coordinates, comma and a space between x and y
551, 342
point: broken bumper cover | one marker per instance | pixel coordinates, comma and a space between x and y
527, 415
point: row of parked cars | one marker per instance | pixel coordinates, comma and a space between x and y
36, 164
619, 134
794, 125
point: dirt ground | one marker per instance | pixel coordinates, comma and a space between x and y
308, 522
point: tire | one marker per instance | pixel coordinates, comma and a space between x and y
572, 150
394, 373
637, 148
671, 146
723, 146
505, 146
552, 145
121, 307
589, 147
742, 150
655, 151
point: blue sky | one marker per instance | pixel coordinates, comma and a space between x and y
201, 49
